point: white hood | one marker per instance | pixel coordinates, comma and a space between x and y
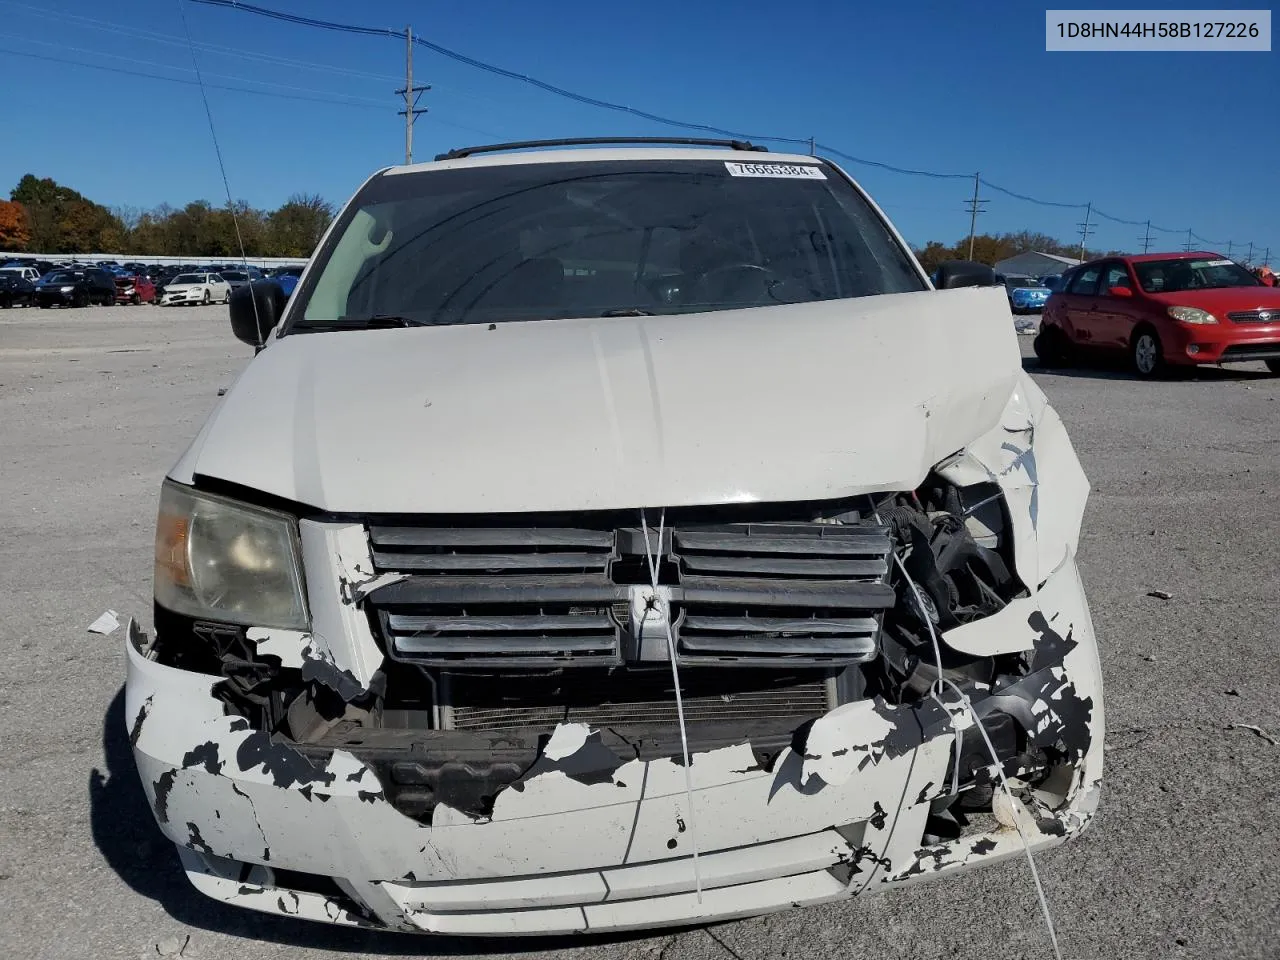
804, 402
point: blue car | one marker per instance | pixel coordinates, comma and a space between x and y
1026, 294
287, 277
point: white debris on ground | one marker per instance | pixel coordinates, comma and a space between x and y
1026, 325
106, 624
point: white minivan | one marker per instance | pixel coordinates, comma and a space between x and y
615, 537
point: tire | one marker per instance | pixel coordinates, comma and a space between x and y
80, 299
136, 300
1146, 354
205, 299
6, 302
1273, 366
227, 298
1052, 347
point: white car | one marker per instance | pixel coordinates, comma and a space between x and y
542, 439
194, 288
30, 274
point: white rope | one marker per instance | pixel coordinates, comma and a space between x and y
675, 679
935, 689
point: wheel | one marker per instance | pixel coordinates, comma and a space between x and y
80, 299
136, 300
6, 302
205, 299
1147, 354
227, 298
1052, 347
1274, 366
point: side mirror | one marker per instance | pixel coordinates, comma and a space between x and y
964, 273
255, 310
1120, 292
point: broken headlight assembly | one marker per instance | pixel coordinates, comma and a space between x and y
219, 559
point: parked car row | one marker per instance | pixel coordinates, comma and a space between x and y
1163, 310
73, 284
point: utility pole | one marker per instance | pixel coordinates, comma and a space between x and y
1084, 227
1229, 246
974, 210
1146, 238
1187, 246
813, 147
1266, 257
410, 94
1249, 259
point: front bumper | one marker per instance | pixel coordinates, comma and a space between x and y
586, 840
1222, 342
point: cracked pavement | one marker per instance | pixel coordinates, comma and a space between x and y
99, 402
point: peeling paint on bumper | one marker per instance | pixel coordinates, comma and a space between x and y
262, 825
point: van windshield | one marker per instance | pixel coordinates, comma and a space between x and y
535, 241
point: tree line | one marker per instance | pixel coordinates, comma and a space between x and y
991, 248
43, 216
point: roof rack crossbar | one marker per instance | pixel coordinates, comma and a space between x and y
586, 141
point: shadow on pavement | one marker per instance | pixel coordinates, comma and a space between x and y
125, 831
1106, 368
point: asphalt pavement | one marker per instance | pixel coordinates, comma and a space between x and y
98, 403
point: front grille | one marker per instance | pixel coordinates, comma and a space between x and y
738, 594
1255, 316
631, 698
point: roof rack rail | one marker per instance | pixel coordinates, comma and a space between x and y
587, 141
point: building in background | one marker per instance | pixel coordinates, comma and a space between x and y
1033, 263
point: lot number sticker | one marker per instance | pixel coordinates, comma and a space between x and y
794, 171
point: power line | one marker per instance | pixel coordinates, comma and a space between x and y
523, 78
487, 67
172, 40
617, 107
217, 86
165, 66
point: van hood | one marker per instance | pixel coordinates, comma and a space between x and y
797, 402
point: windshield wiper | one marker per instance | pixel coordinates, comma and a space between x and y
377, 321
627, 312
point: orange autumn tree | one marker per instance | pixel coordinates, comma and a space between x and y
15, 231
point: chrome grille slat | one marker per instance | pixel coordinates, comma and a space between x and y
484, 562
509, 624
489, 537
853, 625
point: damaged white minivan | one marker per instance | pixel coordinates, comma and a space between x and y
611, 538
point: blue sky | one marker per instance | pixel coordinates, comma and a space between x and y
1187, 140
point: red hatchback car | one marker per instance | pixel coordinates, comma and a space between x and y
1162, 309
137, 289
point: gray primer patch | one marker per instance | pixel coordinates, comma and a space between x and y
162, 787
285, 764
136, 731
205, 755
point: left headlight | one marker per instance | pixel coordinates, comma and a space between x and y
1192, 315
219, 559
